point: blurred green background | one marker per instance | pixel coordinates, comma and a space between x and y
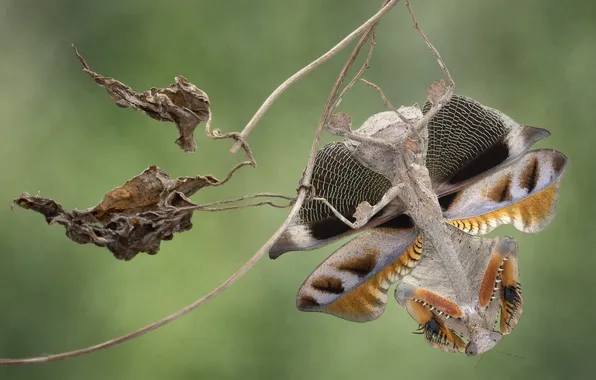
60, 134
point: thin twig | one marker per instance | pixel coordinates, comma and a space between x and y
307, 69
363, 68
301, 196
446, 97
433, 50
386, 101
329, 106
245, 197
228, 208
217, 135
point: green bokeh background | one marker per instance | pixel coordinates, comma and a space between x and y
61, 135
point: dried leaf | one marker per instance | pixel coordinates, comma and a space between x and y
133, 218
145, 191
181, 103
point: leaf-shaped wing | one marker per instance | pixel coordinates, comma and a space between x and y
523, 193
352, 283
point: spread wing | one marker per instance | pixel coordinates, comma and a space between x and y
467, 141
352, 282
523, 194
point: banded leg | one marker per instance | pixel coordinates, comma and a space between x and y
501, 280
430, 311
511, 295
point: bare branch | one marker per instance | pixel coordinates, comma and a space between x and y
363, 68
245, 197
258, 204
310, 67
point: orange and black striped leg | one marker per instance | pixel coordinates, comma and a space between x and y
493, 276
511, 295
431, 318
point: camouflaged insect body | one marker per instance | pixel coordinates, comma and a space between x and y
483, 174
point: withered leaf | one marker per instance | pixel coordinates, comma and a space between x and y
145, 192
181, 103
133, 218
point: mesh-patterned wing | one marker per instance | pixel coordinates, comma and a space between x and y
467, 140
344, 182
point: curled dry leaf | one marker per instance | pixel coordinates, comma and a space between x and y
181, 103
132, 218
